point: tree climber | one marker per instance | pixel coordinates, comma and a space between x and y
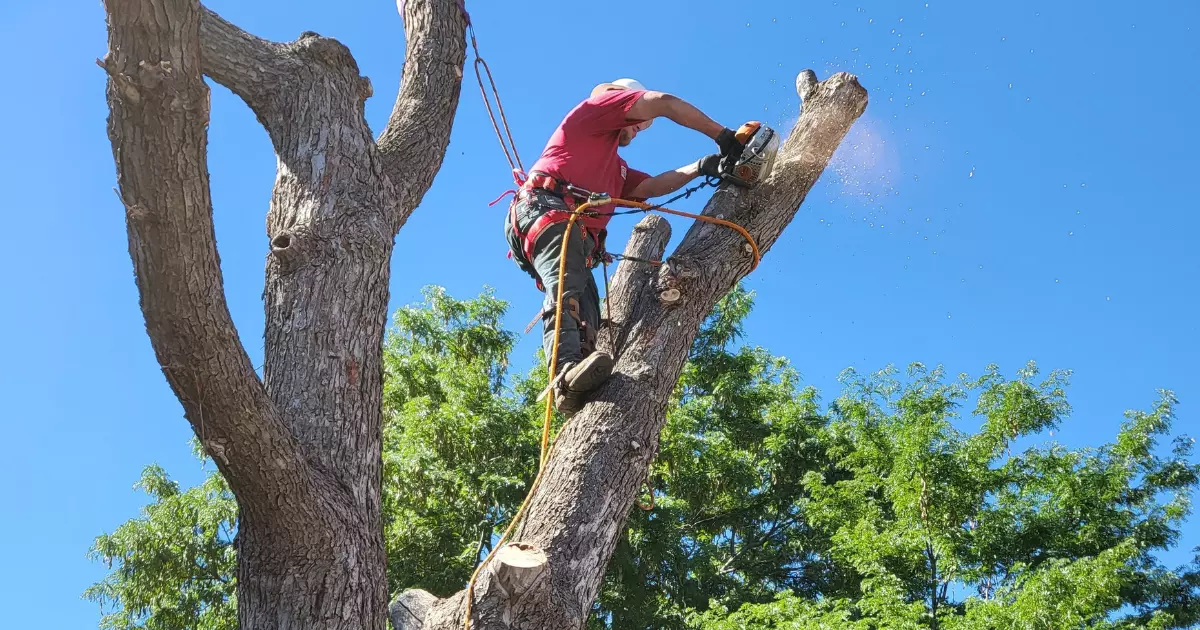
581, 158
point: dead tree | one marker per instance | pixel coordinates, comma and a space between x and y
301, 447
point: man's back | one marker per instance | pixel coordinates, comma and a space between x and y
583, 149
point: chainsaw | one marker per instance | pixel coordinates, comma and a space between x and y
758, 157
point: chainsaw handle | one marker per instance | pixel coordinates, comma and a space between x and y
747, 131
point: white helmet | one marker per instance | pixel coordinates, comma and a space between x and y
619, 84
629, 84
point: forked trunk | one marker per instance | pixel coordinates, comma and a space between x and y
301, 448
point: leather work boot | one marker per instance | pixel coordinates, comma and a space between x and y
579, 380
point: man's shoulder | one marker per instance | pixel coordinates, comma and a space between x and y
606, 101
605, 112
613, 97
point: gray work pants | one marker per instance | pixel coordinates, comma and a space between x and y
581, 315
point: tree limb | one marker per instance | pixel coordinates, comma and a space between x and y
276, 79
728, 565
601, 456
253, 68
159, 107
414, 142
830, 108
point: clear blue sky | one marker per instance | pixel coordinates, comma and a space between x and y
1020, 187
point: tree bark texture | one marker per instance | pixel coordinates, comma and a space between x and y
301, 448
601, 456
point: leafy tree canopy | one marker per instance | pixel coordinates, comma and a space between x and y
770, 511
174, 566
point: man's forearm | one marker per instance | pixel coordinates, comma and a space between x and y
667, 182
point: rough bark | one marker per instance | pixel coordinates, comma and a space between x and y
158, 129
302, 447
601, 456
414, 142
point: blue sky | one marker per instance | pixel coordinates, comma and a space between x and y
1020, 188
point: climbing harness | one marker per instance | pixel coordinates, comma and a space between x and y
758, 155
541, 191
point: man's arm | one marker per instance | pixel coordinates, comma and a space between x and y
660, 104
671, 181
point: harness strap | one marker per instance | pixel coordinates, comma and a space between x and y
529, 237
540, 224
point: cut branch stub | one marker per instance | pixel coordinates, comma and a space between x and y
517, 566
647, 242
408, 610
806, 82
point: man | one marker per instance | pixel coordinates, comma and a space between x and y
582, 154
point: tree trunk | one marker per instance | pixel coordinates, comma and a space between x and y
302, 447
601, 456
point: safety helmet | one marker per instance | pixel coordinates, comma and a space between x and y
619, 84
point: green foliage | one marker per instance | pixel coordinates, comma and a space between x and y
1061, 594
175, 565
1047, 538
878, 512
739, 439
458, 448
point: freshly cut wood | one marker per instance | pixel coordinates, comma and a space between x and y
517, 566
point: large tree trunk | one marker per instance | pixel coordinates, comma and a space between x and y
601, 456
301, 448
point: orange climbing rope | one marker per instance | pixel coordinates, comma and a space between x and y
545, 450
546, 447
699, 217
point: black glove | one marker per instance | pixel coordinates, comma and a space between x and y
710, 165
730, 147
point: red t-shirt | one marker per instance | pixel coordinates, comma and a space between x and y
583, 150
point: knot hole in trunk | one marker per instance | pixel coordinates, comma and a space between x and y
286, 250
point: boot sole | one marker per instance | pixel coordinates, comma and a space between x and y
590, 373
